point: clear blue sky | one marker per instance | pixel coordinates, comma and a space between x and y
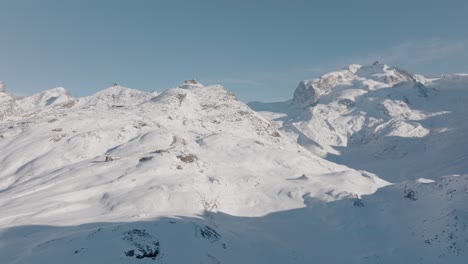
258, 49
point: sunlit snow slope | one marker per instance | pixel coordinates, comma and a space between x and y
382, 119
192, 175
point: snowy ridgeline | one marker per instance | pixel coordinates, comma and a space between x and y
194, 175
381, 119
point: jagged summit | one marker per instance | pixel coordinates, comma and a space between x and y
383, 73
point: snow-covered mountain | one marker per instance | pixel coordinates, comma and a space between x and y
46, 99
115, 96
194, 175
382, 119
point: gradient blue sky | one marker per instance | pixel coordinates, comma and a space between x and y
260, 50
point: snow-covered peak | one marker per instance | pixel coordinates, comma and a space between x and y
375, 68
384, 74
383, 113
116, 96
48, 98
369, 77
210, 109
195, 96
2, 87
116, 91
308, 92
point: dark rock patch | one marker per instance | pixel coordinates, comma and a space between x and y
143, 159
210, 234
189, 158
145, 245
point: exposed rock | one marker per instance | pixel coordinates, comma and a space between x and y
143, 159
210, 234
191, 84
275, 134
189, 158
358, 202
346, 102
146, 245
305, 95
410, 194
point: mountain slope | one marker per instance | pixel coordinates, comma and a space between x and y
421, 222
381, 119
194, 175
192, 150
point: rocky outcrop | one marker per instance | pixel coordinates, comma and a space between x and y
305, 95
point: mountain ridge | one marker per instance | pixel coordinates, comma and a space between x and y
388, 121
127, 176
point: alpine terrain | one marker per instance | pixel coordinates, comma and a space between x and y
368, 164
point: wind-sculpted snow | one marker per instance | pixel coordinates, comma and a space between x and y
192, 175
